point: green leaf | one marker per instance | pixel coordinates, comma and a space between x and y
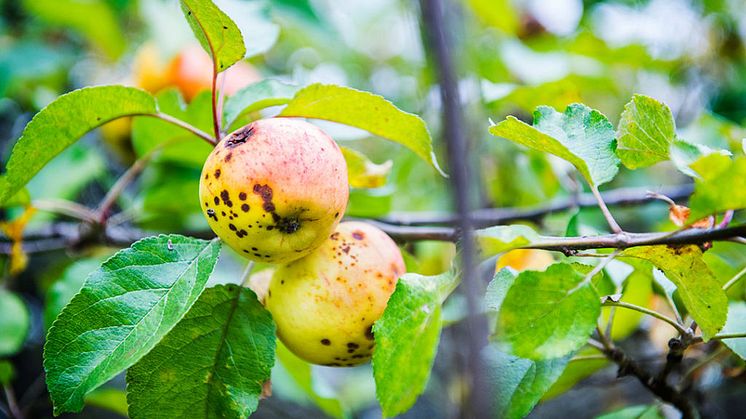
366, 111
20, 199
92, 18
722, 185
407, 338
499, 239
520, 382
256, 96
645, 131
218, 357
736, 324
183, 147
215, 31
635, 412
111, 399
7, 372
498, 288
62, 123
580, 135
683, 154
701, 293
15, 322
363, 173
574, 372
122, 312
370, 203
301, 373
548, 314
67, 285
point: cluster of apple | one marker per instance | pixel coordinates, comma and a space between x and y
275, 191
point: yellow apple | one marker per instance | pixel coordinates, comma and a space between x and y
325, 304
274, 189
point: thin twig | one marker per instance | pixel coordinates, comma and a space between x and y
681, 329
621, 197
734, 280
64, 207
588, 358
605, 211
246, 277
10, 397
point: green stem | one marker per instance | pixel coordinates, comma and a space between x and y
734, 280
649, 312
181, 124
64, 207
615, 228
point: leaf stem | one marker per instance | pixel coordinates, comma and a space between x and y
247, 274
734, 280
215, 110
588, 358
681, 329
729, 336
605, 211
179, 123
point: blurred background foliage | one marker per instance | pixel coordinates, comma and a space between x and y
513, 55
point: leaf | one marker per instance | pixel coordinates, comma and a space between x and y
635, 412
498, 288
215, 31
548, 314
15, 322
218, 357
366, 111
736, 324
407, 338
111, 399
580, 135
301, 373
256, 96
575, 371
184, 147
93, 18
363, 173
683, 154
67, 285
701, 293
499, 239
646, 129
122, 312
7, 372
520, 382
62, 123
638, 289
722, 186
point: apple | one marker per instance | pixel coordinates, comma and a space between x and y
325, 304
274, 189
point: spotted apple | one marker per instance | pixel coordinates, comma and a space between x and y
325, 304
274, 189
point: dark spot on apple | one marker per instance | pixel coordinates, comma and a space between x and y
270, 228
232, 227
217, 200
239, 137
228, 157
346, 249
226, 197
334, 236
269, 207
349, 351
326, 342
254, 249
336, 214
242, 196
358, 235
352, 345
217, 174
211, 214
245, 207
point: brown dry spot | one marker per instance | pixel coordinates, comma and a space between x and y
245, 207
358, 235
352, 345
216, 200
369, 333
346, 249
239, 137
334, 236
226, 197
228, 157
242, 196
217, 174
326, 342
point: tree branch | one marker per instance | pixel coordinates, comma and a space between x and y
493, 216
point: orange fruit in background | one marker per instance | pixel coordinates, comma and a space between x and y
190, 71
525, 259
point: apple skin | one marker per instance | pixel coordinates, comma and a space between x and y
274, 189
325, 304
